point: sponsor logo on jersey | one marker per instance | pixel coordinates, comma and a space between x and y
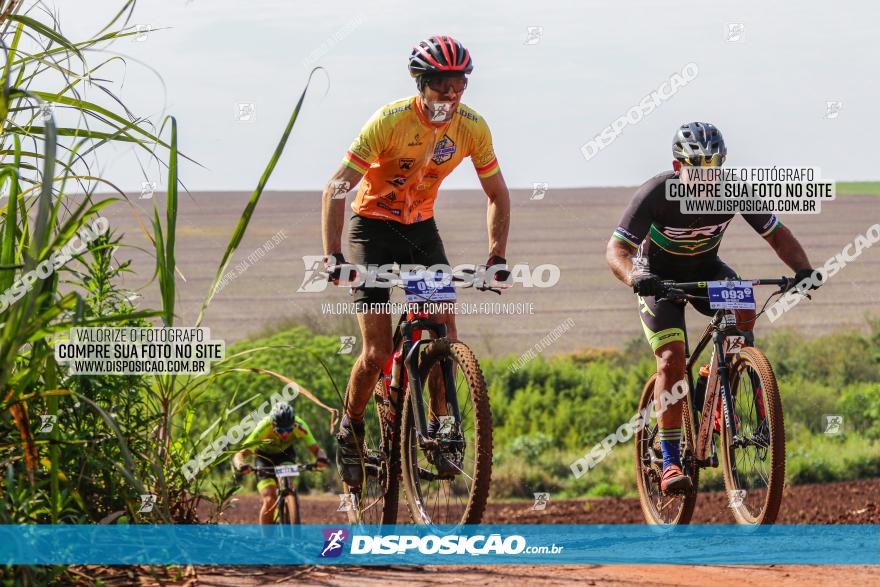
396, 110
390, 196
415, 142
466, 114
695, 246
443, 150
385, 206
398, 181
406, 163
693, 232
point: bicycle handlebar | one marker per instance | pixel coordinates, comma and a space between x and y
786, 283
301, 467
679, 290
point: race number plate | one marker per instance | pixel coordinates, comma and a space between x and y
287, 471
421, 286
731, 295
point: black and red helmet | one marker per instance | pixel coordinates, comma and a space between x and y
439, 55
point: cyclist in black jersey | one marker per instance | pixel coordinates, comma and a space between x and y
655, 241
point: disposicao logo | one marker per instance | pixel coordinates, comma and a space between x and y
334, 541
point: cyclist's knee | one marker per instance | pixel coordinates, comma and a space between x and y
269, 495
376, 355
670, 360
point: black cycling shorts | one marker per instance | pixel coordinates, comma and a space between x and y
664, 321
373, 241
271, 460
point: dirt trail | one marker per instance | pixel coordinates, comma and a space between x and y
849, 502
834, 503
569, 228
721, 576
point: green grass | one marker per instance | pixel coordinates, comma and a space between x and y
554, 409
861, 188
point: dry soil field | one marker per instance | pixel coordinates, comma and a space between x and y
568, 227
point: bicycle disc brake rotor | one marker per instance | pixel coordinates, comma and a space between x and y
448, 456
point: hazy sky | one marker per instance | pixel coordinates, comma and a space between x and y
766, 91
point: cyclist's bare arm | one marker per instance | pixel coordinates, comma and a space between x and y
789, 249
619, 256
318, 452
498, 213
333, 210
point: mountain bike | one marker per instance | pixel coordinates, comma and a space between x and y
750, 436
446, 475
287, 509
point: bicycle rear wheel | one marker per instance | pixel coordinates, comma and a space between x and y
377, 501
754, 459
657, 506
457, 491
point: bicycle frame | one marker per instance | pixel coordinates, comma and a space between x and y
717, 384
286, 487
408, 340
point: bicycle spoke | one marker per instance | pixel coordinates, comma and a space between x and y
445, 500
751, 448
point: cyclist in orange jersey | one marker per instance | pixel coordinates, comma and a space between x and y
400, 158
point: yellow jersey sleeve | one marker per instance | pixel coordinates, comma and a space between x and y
369, 144
482, 153
302, 432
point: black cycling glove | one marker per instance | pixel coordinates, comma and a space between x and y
647, 284
808, 275
494, 262
335, 269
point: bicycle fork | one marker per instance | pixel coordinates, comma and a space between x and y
722, 372
411, 346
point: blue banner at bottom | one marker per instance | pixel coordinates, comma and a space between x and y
418, 545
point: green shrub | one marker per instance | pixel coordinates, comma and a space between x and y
860, 406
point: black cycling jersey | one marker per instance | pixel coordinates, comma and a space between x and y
678, 242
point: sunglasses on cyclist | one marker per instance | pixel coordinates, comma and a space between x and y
287, 430
447, 84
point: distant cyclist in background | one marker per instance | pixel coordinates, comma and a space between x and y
275, 436
400, 158
655, 241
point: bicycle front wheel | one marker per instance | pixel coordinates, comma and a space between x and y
754, 458
449, 482
290, 510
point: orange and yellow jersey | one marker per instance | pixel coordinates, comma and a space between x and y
404, 158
